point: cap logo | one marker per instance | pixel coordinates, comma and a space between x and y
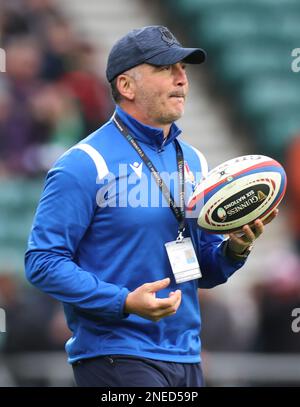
168, 37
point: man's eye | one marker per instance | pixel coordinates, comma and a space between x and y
166, 67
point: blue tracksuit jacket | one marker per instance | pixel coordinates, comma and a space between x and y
99, 232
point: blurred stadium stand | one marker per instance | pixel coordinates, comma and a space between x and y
244, 100
251, 44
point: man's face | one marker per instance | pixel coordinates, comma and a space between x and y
160, 92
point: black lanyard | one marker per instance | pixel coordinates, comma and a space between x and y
179, 212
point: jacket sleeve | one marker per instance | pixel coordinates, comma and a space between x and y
63, 215
216, 267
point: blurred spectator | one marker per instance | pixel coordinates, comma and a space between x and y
12, 20
31, 318
19, 129
50, 96
293, 175
227, 326
39, 13
218, 326
24, 17
5, 109
55, 111
88, 88
276, 298
34, 323
59, 49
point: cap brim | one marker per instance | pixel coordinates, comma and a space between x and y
177, 54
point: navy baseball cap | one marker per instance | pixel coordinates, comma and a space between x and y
154, 45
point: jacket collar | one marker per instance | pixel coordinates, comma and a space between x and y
152, 136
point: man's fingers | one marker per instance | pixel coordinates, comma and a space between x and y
157, 285
258, 228
178, 302
166, 309
249, 235
272, 215
144, 302
173, 301
233, 237
239, 241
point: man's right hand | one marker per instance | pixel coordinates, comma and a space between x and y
143, 302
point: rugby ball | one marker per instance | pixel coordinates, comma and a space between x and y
237, 192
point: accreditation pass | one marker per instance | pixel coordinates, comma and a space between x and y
183, 260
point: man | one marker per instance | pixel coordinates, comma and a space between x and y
110, 205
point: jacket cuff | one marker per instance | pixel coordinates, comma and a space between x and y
227, 252
123, 296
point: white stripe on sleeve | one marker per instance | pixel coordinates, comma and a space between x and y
99, 161
203, 162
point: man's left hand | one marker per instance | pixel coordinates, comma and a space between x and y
238, 244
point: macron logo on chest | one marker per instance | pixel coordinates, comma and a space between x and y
137, 168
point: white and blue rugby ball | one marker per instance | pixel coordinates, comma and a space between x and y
238, 192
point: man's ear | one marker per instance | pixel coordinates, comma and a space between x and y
126, 86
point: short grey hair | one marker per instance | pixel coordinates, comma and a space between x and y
133, 73
116, 95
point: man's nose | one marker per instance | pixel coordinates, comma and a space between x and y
180, 75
